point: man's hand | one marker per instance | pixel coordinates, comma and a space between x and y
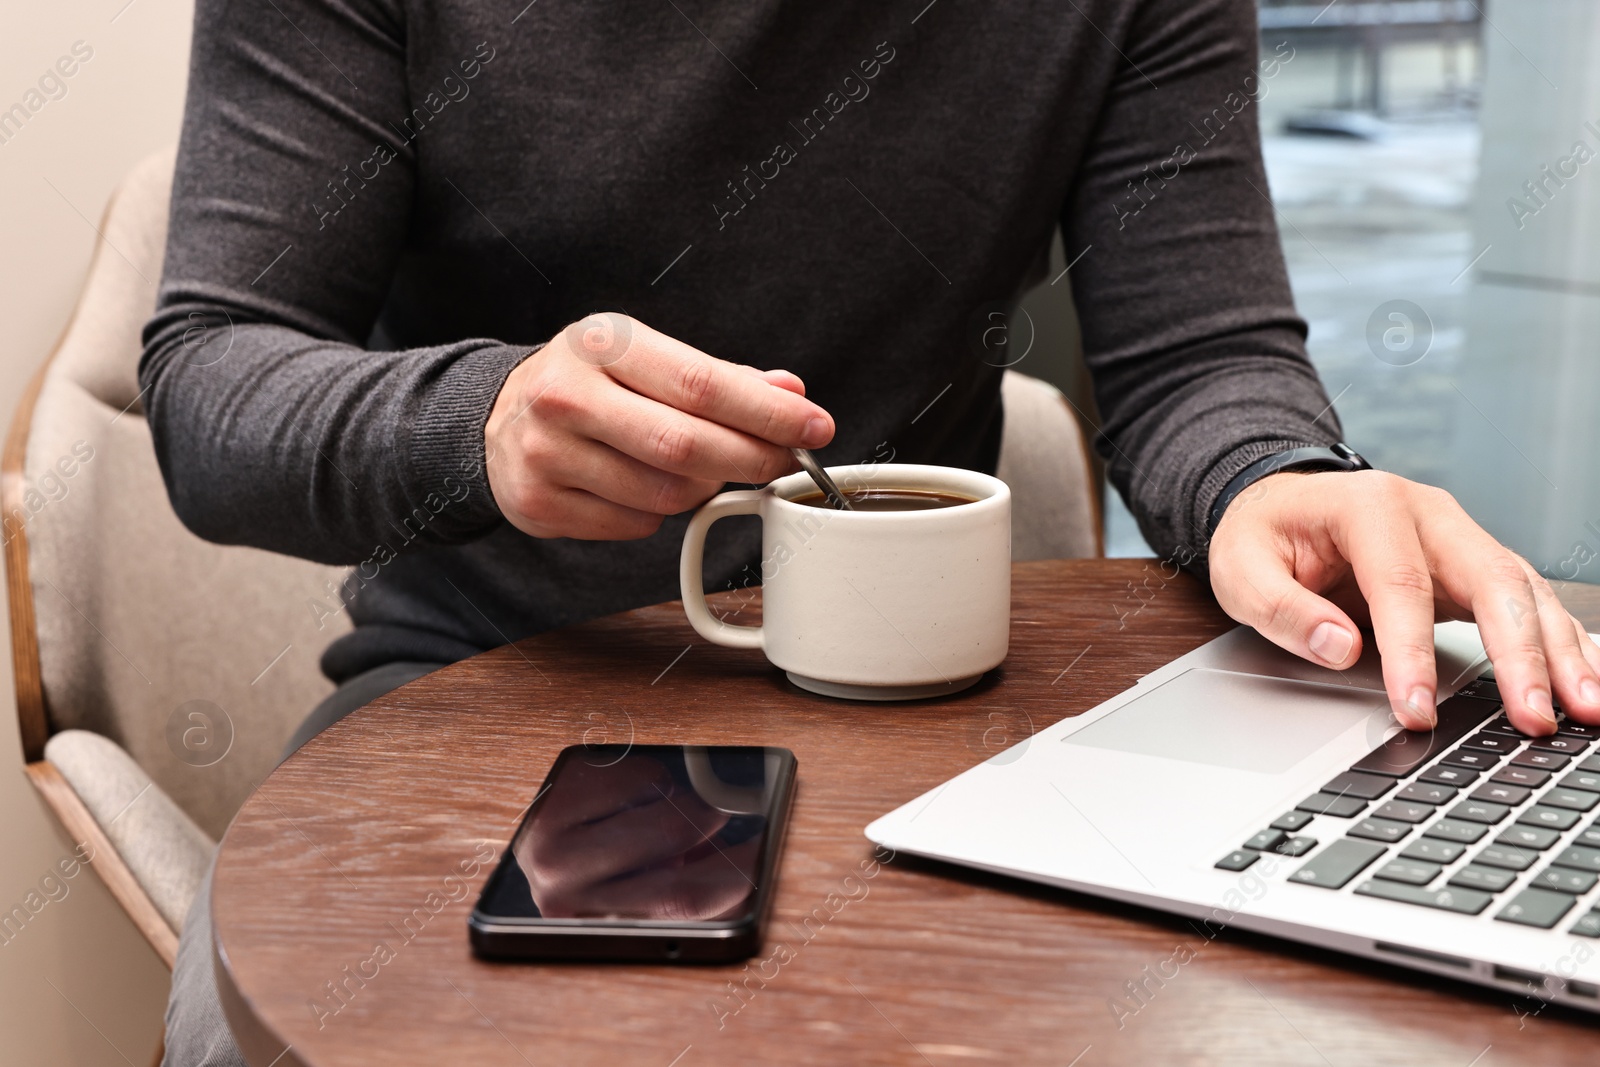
1301, 556
613, 426
620, 839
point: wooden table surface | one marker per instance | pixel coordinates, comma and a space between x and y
340, 907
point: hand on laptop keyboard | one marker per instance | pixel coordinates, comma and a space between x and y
1413, 819
1304, 557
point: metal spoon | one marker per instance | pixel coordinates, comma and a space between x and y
820, 476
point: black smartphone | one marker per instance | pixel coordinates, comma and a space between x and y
642, 853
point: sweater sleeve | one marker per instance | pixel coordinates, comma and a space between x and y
1198, 357
274, 426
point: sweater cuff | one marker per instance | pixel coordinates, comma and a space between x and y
445, 445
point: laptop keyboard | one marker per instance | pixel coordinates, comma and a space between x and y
1470, 817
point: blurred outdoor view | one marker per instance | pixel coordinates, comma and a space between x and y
1430, 163
1371, 140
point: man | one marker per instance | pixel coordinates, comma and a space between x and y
497, 279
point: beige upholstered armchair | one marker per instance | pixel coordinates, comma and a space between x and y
159, 676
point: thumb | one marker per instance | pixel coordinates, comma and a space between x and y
1256, 587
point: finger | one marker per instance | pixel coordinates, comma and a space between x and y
781, 378
1392, 570
785, 380
667, 439
673, 373
1586, 644
1475, 569
1573, 680
1591, 656
1253, 582
1507, 614
611, 475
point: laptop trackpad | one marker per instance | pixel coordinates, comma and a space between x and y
1245, 721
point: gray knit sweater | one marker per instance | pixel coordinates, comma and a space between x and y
385, 204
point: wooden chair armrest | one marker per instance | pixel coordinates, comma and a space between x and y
80, 824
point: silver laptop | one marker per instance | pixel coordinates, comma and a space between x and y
1246, 788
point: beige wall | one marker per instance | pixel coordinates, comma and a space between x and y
78, 985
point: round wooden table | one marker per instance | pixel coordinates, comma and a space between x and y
342, 889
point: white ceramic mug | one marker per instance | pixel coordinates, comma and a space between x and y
871, 605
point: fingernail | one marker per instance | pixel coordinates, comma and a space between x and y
1590, 691
1421, 709
817, 433
1331, 643
1539, 703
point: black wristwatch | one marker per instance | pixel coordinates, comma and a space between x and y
1341, 457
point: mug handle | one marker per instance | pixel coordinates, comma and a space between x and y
690, 569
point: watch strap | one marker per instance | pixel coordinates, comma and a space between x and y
1338, 457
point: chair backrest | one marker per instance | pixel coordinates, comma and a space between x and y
199, 659
1044, 458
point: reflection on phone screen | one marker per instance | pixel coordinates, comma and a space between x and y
644, 832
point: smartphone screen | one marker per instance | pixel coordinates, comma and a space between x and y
639, 836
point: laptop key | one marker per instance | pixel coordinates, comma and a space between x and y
1427, 793
1411, 872
1565, 725
1545, 761
1553, 818
1510, 857
1291, 820
1432, 850
1589, 780
1237, 860
1564, 880
1445, 774
1472, 758
1466, 901
1332, 804
1579, 858
1567, 743
1451, 830
1296, 846
1407, 750
1479, 811
1527, 776
1588, 926
1365, 786
1334, 866
1405, 811
1502, 794
1573, 799
1536, 837
1386, 830
1492, 742
1266, 840
1590, 837
1590, 764
1536, 907
1488, 879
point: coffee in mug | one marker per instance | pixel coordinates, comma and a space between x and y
888, 499
906, 596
